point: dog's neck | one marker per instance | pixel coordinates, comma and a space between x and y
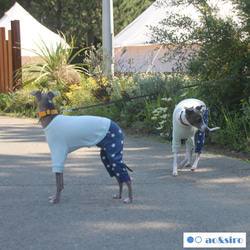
45, 120
183, 118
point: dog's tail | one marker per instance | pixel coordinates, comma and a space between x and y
128, 168
213, 129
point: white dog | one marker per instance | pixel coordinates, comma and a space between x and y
189, 117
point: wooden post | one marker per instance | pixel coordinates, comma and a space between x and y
16, 51
2, 38
5, 66
10, 62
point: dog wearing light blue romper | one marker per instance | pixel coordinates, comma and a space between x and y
65, 134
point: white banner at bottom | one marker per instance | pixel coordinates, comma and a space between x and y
214, 240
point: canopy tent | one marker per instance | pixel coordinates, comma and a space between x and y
133, 51
33, 33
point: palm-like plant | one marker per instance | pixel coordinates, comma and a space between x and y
55, 70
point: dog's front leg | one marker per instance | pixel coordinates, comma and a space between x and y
59, 188
195, 164
175, 171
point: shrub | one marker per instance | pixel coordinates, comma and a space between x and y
4, 101
55, 72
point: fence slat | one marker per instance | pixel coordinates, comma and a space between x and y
10, 62
16, 50
5, 66
2, 38
10, 58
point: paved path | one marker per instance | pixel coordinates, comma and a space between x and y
214, 198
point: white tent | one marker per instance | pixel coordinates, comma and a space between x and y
132, 49
32, 32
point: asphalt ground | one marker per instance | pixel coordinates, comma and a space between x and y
214, 198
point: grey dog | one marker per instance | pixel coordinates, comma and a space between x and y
65, 134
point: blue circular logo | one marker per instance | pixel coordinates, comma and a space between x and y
190, 239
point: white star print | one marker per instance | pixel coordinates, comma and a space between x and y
112, 135
113, 145
114, 165
122, 142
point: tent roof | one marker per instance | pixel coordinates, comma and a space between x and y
32, 32
138, 32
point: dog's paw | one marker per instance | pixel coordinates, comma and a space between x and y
117, 196
175, 174
194, 167
127, 200
52, 200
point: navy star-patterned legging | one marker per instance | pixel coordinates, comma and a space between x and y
112, 152
200, 136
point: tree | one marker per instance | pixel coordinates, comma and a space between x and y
80, 18
211, 49
244, 13
125, 11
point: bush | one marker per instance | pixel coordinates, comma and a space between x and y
21, 103
4, 101
235, 127
152, 114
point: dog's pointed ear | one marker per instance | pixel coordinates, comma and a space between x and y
199, 107
52, 94
189, 110
36, 93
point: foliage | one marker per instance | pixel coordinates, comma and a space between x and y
216, 37
152, 114
94, 60
202, 49
21, 103
55, 70
79, 95
80, 18
236, 123
126, 11
4, 101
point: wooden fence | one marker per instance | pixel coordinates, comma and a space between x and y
10, 57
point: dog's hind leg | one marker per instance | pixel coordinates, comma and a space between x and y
195, 164
118, 196
130, 198
186, 162
59, 188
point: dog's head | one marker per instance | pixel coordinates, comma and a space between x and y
44, 101
196, 118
